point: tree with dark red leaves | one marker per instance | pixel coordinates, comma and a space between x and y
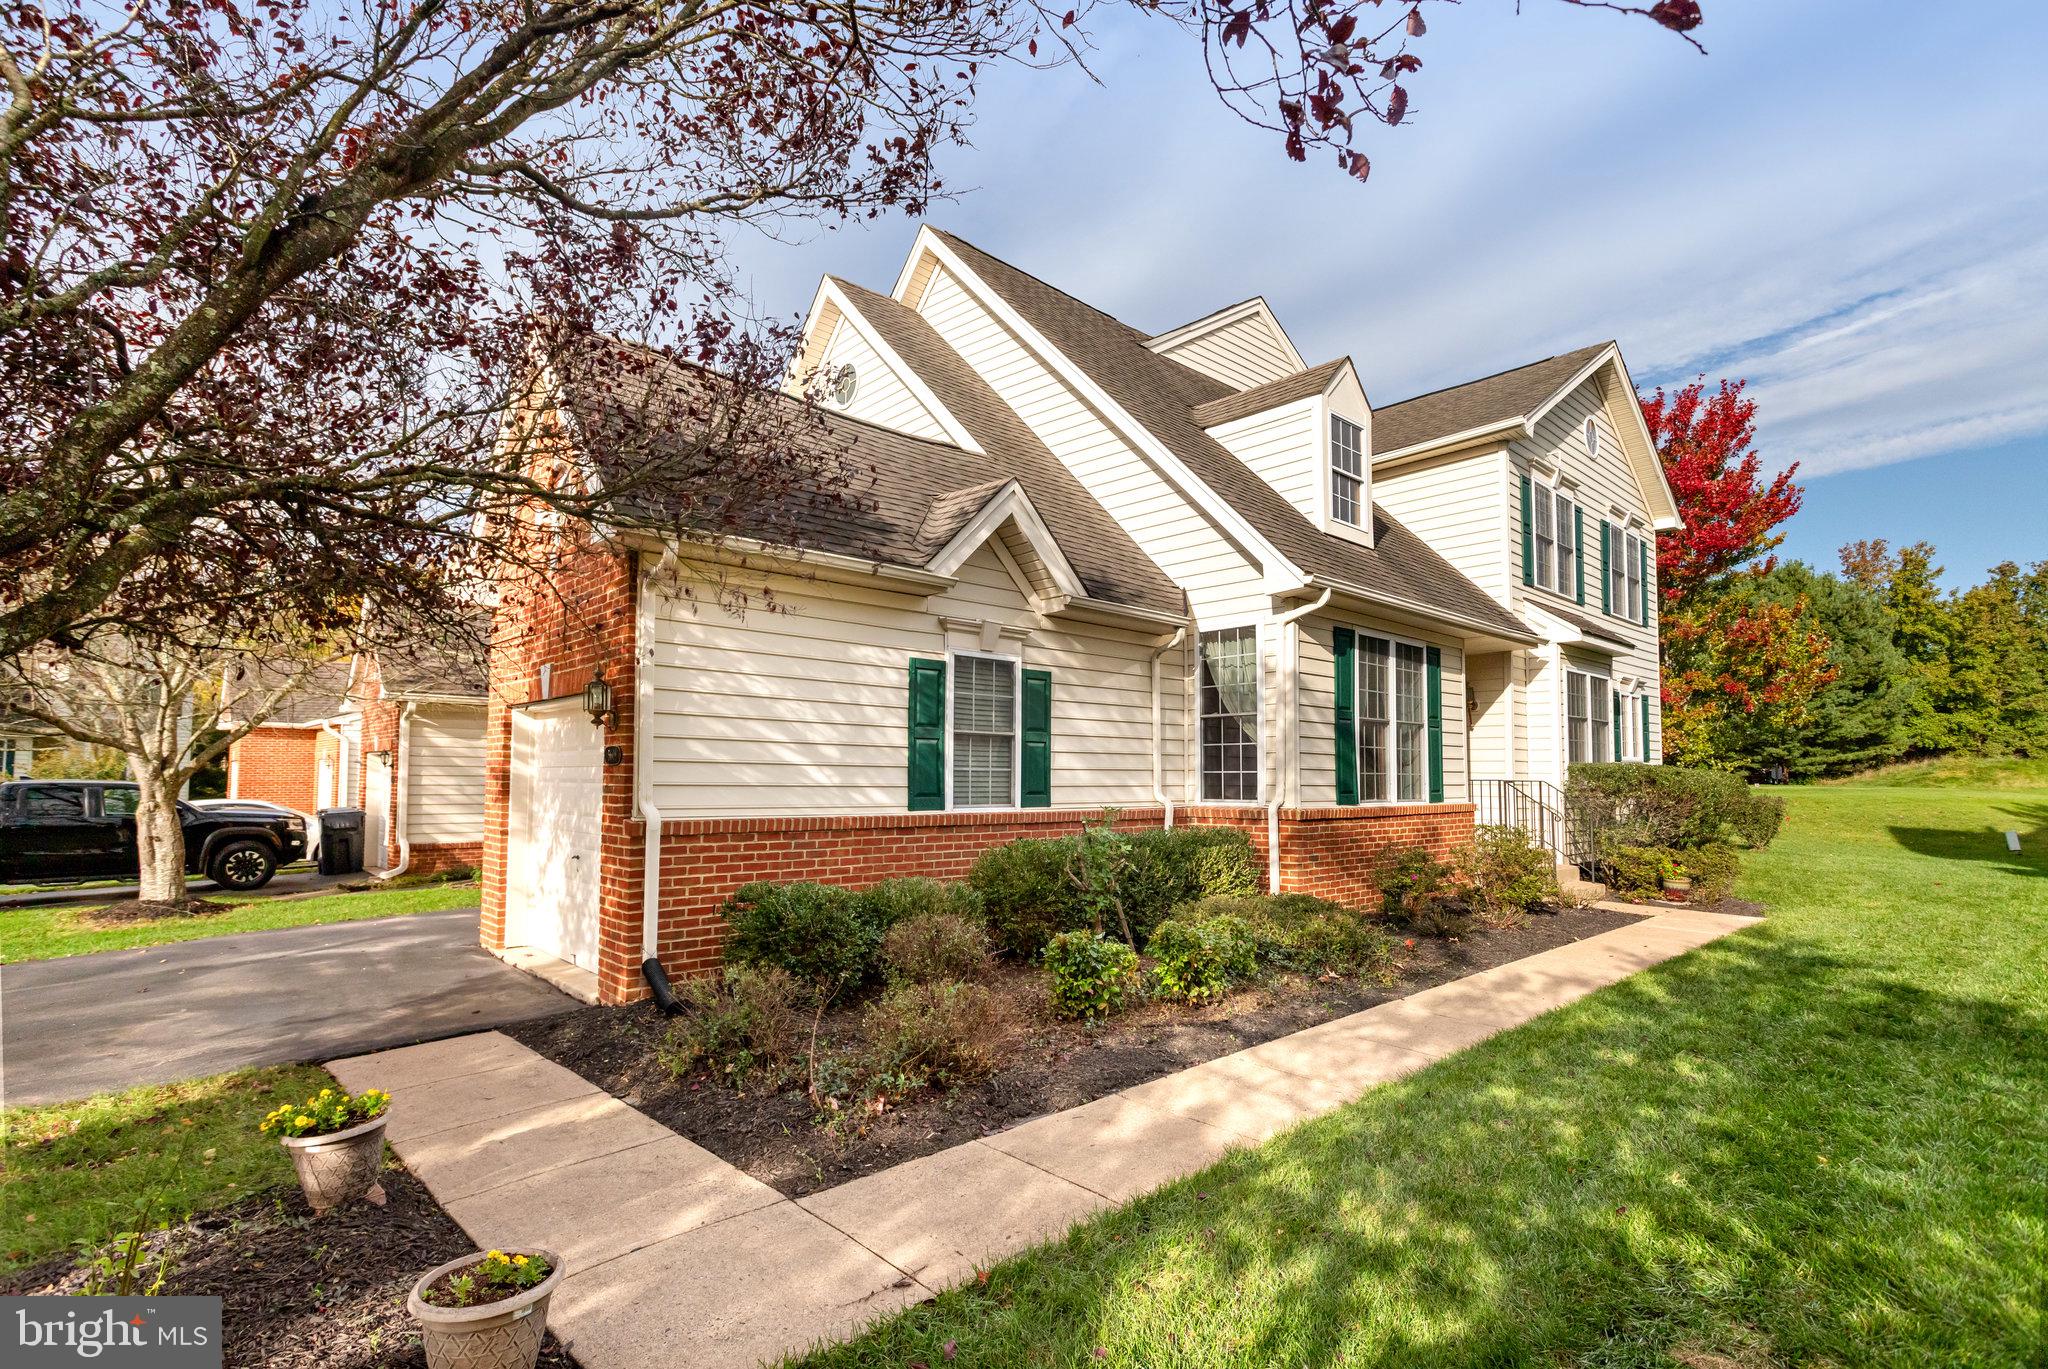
1732, 514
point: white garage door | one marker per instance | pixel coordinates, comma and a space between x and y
552, 856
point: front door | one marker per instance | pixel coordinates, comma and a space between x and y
551, 866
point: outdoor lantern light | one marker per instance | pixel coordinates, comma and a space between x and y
597, 700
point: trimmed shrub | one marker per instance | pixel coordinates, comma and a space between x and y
1091, 975
820, 933
1345, 943
750, 1023
1301, 932
1412, 884
890, 902
1668, 805
1713, 869
1505, 875
1025, 893
946, 1033
1198, 961
925, 948
1638, 871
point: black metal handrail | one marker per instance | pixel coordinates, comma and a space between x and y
1538, 807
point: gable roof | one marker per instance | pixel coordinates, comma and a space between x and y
313, 699
451, 664
1274, 393
1488, 402
1162, 395
909, 495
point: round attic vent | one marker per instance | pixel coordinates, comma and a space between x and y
844, 386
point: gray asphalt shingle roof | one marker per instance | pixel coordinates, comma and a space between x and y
1286, 390
1477, 403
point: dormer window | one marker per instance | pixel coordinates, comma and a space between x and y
1347, 469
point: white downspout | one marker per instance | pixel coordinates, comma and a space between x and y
402, 804
643, 779
340, 764
1159, 793
1284, 710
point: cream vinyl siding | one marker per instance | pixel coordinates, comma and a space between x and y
1459, 505
804, 711
880, 396
1489, 728
444, 798
1606, 488
1315, 780
1240, 354
1220, 580
1283, 448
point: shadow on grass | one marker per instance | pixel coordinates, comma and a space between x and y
1765, 1150
1987, 844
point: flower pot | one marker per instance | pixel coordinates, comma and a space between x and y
1678, 888
341, 1166
493, 1335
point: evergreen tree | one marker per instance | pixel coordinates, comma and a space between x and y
1864, 716
1995, 680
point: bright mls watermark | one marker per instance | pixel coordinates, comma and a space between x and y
163, 1333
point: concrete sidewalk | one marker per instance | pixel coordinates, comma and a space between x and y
676, 1256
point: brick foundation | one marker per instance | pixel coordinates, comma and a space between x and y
276, 765
446, 855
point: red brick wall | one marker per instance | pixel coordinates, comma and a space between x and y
445, 855
275, 764
1329, 852
579, 624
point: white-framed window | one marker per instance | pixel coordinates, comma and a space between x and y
1632, 565
983, 722
1589, 717
1546, 538
1393, 720
1617, 573
1347, 470
1592, 440
1567, 544
1228, 686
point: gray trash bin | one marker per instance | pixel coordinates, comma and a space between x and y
341, 841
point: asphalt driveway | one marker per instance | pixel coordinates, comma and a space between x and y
85, 1024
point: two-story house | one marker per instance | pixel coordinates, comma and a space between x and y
1184, 575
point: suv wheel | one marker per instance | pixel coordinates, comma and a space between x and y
243, 865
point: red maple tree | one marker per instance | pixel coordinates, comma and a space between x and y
1731, 514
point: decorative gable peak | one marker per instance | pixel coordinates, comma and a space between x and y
1242, 346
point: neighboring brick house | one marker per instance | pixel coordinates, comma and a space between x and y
1089, 568
398, 733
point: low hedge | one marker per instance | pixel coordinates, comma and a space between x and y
828, 936
1031, 890
1632, 804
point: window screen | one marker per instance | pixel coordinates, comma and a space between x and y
1347, 469
984, 732
1375, 716
1411, 723
1230, 714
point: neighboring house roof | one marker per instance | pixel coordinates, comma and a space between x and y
314, 699
1163, 395
1477, 404
910, 496
453, 664
1286, 390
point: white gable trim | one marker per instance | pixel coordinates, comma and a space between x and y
1280, 573
1664, 519
850, 317
1254, 308
1007, 504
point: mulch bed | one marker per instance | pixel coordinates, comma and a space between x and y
151, 910
1053, 1065
305, 1292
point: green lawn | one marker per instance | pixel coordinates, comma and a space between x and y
46, 933
1821, 1141
1960, 772
89, 1171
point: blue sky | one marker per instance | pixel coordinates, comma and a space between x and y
1845, 203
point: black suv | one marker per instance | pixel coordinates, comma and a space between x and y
82, 829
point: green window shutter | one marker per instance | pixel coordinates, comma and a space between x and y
1036, 789
1606, 561
1436, 723
1614, 723
1646, 727
1344, 649
1643, 569
927, 735
1528, 536
1579, 549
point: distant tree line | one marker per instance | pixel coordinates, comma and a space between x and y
1770, 664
